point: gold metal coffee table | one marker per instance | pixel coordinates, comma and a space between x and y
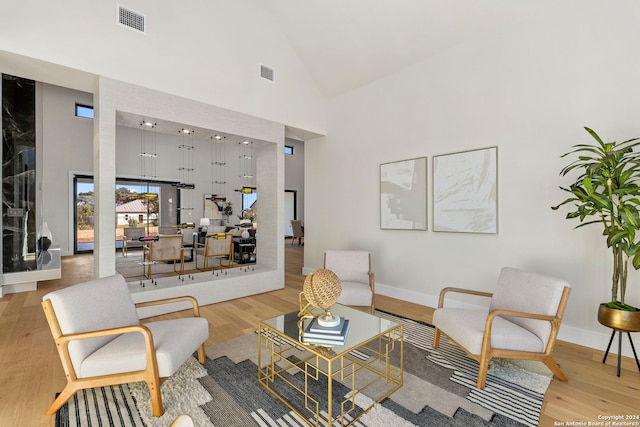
331, 385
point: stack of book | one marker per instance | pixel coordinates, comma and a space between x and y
314, 333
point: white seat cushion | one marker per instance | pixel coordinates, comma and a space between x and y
355, 293
175, 340
466, 327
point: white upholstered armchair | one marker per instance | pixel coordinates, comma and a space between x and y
101, 341
353, 268
522, 320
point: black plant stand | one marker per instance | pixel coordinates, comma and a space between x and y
613, 333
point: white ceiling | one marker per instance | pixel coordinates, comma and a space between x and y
345, 44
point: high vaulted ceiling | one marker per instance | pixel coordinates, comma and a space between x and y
348, 43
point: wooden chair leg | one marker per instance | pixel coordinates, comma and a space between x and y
553, 366
436, 338
67, 393
156, 398
482, 372
202, 356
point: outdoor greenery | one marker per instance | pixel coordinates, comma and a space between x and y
85, 210
124, 195
606, 193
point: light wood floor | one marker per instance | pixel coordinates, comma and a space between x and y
30, 371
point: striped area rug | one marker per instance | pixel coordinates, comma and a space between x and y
102, 406
438, 391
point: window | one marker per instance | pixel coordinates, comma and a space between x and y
288, 150
84, 111
248, 200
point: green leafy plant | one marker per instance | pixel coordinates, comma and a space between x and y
606, 193
228, 209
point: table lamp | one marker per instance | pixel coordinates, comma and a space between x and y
204, 224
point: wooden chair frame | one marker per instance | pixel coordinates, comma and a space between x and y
148, 375
207, 255
487, 352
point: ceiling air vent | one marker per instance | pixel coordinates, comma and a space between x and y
131, 19
266, 72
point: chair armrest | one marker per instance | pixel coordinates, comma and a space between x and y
486, 339
523, 314
192, 300
106, 332
445, 291
62, 342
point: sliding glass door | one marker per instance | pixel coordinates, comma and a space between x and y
151, 205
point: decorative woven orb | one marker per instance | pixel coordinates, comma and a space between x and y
322, 288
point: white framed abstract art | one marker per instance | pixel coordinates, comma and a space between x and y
465, 191
403, 195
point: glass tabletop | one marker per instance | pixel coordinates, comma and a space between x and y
362, 327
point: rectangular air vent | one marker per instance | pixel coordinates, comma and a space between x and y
131, 19
266, 72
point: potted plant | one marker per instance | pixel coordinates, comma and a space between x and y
227, 210
606, 192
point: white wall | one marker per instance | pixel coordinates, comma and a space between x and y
528, 89
67, 146
206, 51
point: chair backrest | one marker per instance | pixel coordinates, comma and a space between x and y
296, 227
217, 246
166, 247
350, 266
133, 233
167, 230
529, 292
97, 304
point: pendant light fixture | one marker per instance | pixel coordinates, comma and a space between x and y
218, 168
246, 167
185, 168
218, 172
148, 156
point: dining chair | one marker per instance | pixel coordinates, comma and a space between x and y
298, 232
215, 246
166, 248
